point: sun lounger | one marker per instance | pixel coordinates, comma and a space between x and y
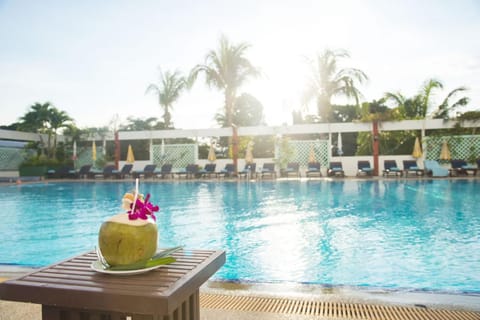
227, 171
433, 169
190, 171
208, 171
94, 172
59, 173
148, 172
313, 168
391, 168
165, 171
107, 172
268, 169
182, 172
410, 166
126, 169
335, 169
364, 168
293, 168
250, 169
82, 173
460, 167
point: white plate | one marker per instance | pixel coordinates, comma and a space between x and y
97, 266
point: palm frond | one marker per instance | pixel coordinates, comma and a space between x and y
353, 73
152, 87
226, 69
398, 98
427, 91
445, 108
327, 81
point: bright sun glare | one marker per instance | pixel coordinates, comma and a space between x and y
282, 57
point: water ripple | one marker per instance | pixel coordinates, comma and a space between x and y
415, 235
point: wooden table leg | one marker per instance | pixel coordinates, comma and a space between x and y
188, 310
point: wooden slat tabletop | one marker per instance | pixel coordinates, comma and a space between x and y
73, 284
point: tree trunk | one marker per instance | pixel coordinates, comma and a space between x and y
232, 141
375, 147
324, 108
117, 150
166, 118
49, 142
229, 96
54, 148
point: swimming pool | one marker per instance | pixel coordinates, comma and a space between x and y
413, 235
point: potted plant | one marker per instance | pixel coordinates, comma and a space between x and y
285, 154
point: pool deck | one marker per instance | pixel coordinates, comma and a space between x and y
324, 177
227, 300
243, 180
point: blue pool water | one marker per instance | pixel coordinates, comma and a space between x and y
413, 235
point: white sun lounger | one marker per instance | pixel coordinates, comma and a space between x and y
432, 166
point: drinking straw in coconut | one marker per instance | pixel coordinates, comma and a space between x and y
135, 195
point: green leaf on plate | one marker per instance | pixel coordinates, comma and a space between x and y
144, 264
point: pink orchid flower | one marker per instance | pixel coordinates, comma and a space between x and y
143, 209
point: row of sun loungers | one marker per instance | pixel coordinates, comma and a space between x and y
431, 168
335, 169
86, 171
150, 171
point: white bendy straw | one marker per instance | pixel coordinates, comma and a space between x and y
135, 196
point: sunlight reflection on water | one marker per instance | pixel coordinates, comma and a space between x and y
389, 234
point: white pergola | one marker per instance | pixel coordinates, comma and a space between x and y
326, 128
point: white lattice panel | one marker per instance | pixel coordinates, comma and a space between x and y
84, 156
302, 151
461, 147
179, 155
11, 158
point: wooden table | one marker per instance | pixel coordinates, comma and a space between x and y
72, 290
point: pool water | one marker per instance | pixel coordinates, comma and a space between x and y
408, 235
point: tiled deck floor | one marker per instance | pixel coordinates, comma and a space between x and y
215, 306
328, 310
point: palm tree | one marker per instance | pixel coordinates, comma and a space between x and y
36, 119
57, 120
327, 82
168, 91
419, 106
248, 111
45, 118
73, 132
226, 69
138, 124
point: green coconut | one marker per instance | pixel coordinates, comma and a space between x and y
123, 241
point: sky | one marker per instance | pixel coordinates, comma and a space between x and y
95, 59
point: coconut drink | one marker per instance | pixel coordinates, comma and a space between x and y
130, 238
